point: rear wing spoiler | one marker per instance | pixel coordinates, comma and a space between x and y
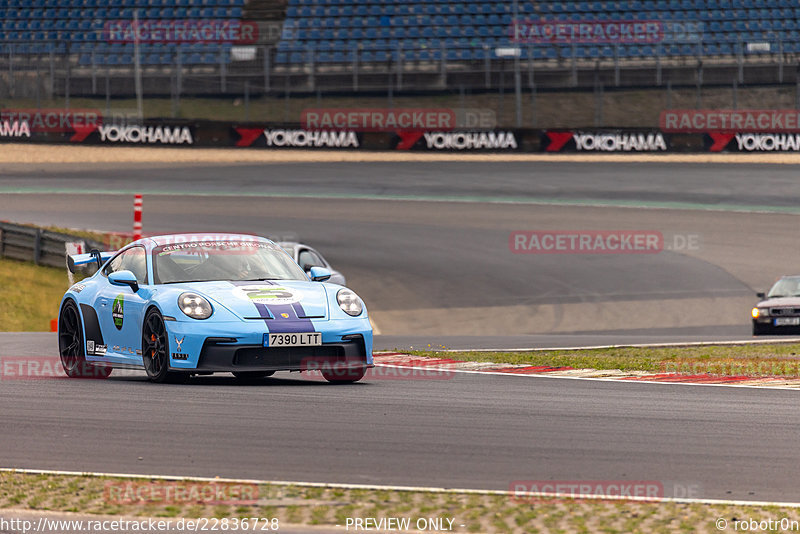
75, 261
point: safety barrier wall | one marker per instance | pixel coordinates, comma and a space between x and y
42, 247
82, 127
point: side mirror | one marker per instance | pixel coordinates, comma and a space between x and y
124, 278
761, 295
319, 274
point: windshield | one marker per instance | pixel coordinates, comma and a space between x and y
785, 287
223, 260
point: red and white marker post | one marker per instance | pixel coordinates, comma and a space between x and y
137, 217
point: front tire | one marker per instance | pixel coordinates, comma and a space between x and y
344, 376
155, 350
71, 347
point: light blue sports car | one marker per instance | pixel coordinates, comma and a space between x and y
196, 304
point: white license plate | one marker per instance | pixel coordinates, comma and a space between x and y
787, 321
303, 339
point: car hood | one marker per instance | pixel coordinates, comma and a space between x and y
783, 302
279, 299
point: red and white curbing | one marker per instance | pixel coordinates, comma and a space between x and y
401, 360
137, 217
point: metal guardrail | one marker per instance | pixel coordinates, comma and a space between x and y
42, 247
55, 69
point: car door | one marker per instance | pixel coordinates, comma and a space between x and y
120, 310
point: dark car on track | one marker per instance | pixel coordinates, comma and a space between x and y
778, 312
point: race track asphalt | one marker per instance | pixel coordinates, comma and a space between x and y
430, 264
465, 431
437, 268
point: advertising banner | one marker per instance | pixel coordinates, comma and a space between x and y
604, 141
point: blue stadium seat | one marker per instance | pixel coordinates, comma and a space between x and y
462, 28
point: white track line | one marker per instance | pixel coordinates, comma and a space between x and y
425, 489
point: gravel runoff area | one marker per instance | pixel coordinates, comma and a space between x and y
93, 497
17, 153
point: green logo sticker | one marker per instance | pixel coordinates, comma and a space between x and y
263, 294
118, 311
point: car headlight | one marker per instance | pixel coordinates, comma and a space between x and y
349, 302
759, 312
194, 306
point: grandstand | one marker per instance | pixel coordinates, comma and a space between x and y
87, 27
429, 43
469, 30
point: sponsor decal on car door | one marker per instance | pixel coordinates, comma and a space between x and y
120, 312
